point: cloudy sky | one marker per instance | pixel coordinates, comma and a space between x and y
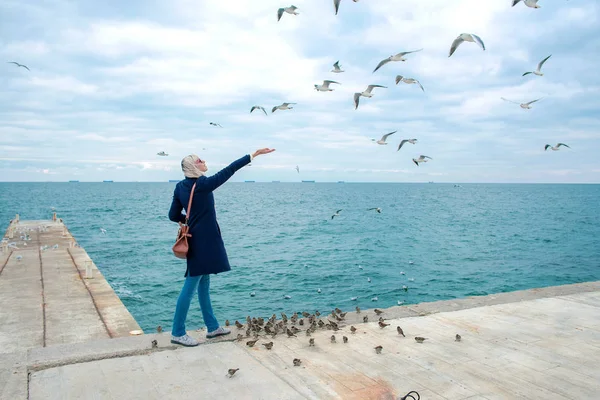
112, 83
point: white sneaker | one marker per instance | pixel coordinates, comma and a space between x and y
185, 340
220, 331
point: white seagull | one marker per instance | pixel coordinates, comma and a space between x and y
383, 138
258, 108
103, 231
411, 141
525, 106
465, 37
336, 68
421, 159
19, 65
162, 154
284, 106
325, 86
215, 124
337, 214
400, 78
375, 208
528, 3
297, 169
555, 148
397, 57
538, 71
290, 10
366, 93
336, 5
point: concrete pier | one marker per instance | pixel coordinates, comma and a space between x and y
531, 344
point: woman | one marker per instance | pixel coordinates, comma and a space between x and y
206, 254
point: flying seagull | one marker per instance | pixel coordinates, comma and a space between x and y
337, 214
555, 148
258, 108
162, 153
19, 65
215, 124
400, 78
366, 93
284, 106
336, 5
336, 68
421, 159
528, 3
375, 208
397, 57
289, 10
538, 71
298, 169
466, 37
525, 106
325, 86
384, 138
411, 141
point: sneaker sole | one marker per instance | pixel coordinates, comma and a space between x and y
217, 335
182, 344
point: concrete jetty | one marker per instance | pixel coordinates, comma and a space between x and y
532, 344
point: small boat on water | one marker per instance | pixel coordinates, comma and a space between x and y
73, 181
308, 181
106, 181
341, 182
249, 181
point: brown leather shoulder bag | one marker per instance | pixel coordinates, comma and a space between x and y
181, 247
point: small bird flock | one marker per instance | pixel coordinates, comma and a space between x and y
311, 326
372, 89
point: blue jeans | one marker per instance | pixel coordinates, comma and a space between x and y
202, 283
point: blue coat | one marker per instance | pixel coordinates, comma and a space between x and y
206, 254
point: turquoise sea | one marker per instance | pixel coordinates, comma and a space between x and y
449, 241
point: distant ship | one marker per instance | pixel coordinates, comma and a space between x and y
73, 181
250, 181
275, 181
173, 180
341, 182
308, 181
106, 181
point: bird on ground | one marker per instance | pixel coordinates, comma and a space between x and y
332, 339
215, 124
337, 214
378, 349
251, 343
528, 3
162, 154
457, 338
382, 324
555, 148
258, 108
154, 344
159, 329
297, 362
19, 65
378, 312
538, 70
400, 331
325, 86
232, 371
357, 309
366, 318
352, 330
311, 341
268, 346
465, 37
421, 159
367, 93
400, 78
336, 5
420, 339
411, 141
383, 139
290, 10
525, 106
336, 68
397, 57
284, 106
375, 208
345, 339
297, 169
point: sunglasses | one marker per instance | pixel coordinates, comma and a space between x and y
199, 161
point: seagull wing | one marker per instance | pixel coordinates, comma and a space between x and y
424, 157
455, 45
421, 86
336, 5
416, 162
546, 147
327, 82
561, 144
338, 211
527, 73
515, 2
253, 108
336, 64
533, 101
407, 52
280, 13
384, 137
398, 78
263, 109
402, 144
274, 108
539, 67
478, 41
370, 88
382, 63
356, 97
510, 101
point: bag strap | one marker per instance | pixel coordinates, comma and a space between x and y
187, 212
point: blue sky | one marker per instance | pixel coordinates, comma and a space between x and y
112, 84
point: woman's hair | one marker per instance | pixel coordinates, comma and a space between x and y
190, 168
